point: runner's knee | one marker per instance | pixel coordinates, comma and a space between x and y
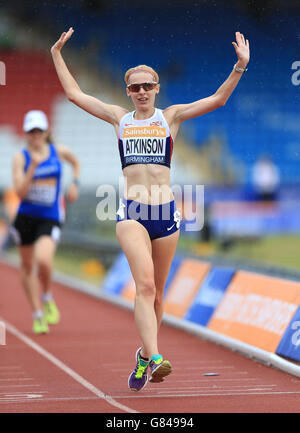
27, 267
146, 287
44, 265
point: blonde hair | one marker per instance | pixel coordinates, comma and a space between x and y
144, 68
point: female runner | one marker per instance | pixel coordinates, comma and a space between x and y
147, 221
36, 229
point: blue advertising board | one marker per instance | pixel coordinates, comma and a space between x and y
209, 295
117, 276
174, 267
289, 345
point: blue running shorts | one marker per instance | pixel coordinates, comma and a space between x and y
159, 220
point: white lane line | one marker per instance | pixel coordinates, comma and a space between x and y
156, 396
233, 394
209, 387
209, 367
18, 386
205, 394
201, 361
215, 379
20, 393
180, 364
214, 369
65, 368
17, 397
258, 389
10, 367
200, 370
181, 376
39, 399
16, 379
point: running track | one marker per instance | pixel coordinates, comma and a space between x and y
83, 364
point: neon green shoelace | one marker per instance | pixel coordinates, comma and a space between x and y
141, 369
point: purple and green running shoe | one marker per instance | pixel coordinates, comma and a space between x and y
139, 377
160, 368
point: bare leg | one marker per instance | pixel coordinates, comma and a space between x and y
163, 250
136, 244
44, 250
28, 277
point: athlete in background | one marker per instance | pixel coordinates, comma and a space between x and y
37, 172
146, 138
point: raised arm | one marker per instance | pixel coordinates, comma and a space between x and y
107, 112
179, 113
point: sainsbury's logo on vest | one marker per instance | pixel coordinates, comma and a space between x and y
144, 131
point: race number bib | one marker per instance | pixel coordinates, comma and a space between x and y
43, 191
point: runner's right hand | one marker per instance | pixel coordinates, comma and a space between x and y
65, 36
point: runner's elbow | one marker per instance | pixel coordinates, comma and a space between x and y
21, 194
220, 101
72, 95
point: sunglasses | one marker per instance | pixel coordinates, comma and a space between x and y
146, 86
35, 130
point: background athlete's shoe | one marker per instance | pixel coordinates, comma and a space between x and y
40, 326
52, 314
160, 368
139, 377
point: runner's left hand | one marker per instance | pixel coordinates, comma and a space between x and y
73, 193
242, 49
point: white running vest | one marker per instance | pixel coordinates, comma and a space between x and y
145, 141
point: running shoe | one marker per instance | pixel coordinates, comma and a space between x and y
139, 377
40, 326
52, 314
160, 368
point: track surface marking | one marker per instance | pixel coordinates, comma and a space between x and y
29, 342
97, 341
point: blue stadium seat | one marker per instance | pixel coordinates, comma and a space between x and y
195, 57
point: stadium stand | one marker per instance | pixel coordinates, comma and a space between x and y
31, 82
260, 117
92, 140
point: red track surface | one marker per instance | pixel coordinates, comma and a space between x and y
97, 341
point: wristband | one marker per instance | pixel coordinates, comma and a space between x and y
237, 69
75, 181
